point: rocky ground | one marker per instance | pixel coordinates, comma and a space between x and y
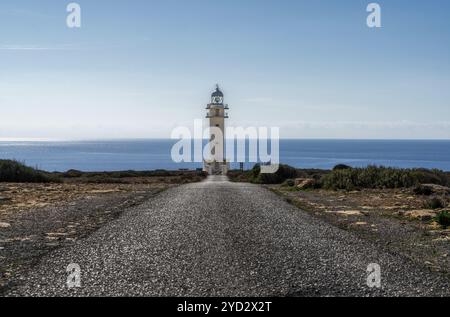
38, 218
217, 238
396, 218
246, 240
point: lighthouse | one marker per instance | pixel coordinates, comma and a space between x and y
217, 113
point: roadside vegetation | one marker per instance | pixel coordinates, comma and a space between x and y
374, 177
343, 177
443, 218
130, 177
284, 174
16, 172
435, 203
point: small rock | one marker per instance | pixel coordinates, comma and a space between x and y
347, 212
435, 189
4, 199
423, 214
304, 183
56, 234
4, 225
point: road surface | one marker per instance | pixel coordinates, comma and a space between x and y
218, 238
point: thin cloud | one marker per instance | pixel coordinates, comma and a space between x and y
258, 100
35, 47
26, 14
375, 125
379, 125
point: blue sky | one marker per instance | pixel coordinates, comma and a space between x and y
139, 68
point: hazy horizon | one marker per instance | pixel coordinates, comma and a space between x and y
165, 139
152, 154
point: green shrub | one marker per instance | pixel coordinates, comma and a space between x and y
283, 173
341, 167
382, 177
423, 190
252, 176
434, 203
256, 170
16, 172
443, 218
72, 174
290, 182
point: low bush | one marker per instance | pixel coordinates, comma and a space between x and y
382, 177
283, 173
443, 218
72, 174
347, 178
434, 203
16, 172
289, 183
341, 167
423, 190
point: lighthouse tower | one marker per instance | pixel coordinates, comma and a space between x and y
216, 164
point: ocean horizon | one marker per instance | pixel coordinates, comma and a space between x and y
152, 154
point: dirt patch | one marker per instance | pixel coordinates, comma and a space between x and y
423, 214
346, 212
392, 218
37, 218
56, 209
21, 197
29, 230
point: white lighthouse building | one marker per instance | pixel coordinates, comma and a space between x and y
217, 164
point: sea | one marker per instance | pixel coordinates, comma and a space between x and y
121, 155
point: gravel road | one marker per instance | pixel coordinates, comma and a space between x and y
218, 238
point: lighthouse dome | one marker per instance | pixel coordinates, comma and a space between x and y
217, 93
